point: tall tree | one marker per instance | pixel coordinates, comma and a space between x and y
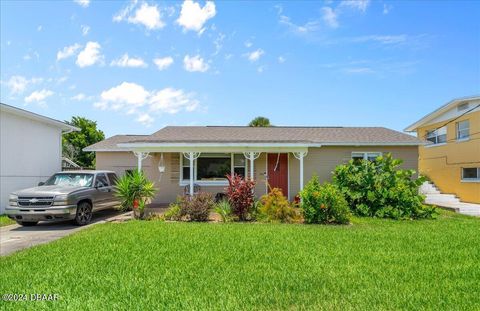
74, 142
260, 122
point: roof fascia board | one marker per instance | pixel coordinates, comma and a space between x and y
36, 117
438, 112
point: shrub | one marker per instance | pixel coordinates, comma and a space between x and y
274, 206
196, 207
135, 191
173, 212
224, 209
240, 193
380, 189
323, 203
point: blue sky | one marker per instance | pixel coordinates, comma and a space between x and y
135, 67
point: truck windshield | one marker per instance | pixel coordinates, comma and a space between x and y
70, 179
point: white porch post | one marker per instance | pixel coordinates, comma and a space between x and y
140, 157
191, 156
300, 156
252, 156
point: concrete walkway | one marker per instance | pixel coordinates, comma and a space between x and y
448, 201
15, 237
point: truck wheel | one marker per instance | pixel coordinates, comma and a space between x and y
27, 223
84, 214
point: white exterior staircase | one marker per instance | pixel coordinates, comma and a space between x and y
447, 201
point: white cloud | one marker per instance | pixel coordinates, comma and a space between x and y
83, 3
145, 119
163, 62
172, 101
195, 63
78, 97
39, 28
360, 5
68, 51
281, 59
330, 17
359, 70
18, 84
126, 61
255, 55
146, 15
90, 55
193, 16
85, 29
132, 98
38, 96
248, 43
130, 94
299, 29
383, 39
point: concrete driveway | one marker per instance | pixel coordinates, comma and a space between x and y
14, 237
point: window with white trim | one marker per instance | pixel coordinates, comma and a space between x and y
213, 167
463, 130
239, 164
471, 173
369, 156
438, 136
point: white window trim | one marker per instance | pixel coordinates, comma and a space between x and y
365, 154
470, 179
436, 137
184, 182
434, 145
458, 131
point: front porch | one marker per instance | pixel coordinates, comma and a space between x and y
188, 170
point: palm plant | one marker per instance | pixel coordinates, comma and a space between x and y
135, 191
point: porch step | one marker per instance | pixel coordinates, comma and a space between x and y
448, 201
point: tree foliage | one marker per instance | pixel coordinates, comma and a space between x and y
380, 189
260, 122
74, 142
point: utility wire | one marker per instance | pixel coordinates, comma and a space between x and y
453, 120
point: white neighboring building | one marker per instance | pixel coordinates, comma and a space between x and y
30, 149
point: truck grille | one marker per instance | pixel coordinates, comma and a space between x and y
35, 201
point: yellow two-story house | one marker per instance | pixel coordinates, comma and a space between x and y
451, 157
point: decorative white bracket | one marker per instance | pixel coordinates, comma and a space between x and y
140, 157
299, 156
252, 156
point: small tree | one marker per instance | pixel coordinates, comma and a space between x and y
74, 142
135, 191
240, 193
260, 122
380, 189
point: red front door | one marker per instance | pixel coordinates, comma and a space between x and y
277, 170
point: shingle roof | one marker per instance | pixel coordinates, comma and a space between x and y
277, 134
111, 142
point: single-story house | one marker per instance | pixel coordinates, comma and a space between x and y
184, 159
30, 149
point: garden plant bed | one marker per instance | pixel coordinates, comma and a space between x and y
371, 264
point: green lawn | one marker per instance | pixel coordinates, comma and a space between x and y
5, 221
370, 265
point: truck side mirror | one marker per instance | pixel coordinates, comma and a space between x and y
41, 183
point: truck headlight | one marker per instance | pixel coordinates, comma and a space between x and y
12, 200
61, 199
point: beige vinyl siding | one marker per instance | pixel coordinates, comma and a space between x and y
321, 161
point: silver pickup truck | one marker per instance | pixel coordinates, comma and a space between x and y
69, 195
